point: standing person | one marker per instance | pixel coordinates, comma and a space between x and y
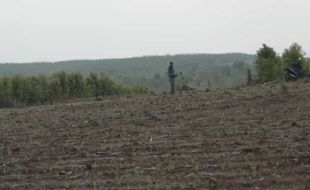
172, 77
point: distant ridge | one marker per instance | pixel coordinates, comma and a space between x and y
129, 58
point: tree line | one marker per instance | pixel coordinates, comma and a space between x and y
42, 89
270, 65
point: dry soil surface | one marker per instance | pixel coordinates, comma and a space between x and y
242, 138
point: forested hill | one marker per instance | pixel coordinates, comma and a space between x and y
221, 70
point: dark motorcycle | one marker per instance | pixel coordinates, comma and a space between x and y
293, 72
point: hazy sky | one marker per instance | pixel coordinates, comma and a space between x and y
50, 30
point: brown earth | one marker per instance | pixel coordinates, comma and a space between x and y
242, 138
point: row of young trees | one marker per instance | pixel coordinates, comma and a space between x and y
42, 89
270, 65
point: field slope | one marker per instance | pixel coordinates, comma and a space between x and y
242, 138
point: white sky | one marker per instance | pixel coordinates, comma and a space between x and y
50, 30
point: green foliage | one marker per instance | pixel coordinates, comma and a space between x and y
41, 89
16, 87
55, 90
267, 53
62, 80
93, 84
5, 92
268, 64
76, 86
293, 54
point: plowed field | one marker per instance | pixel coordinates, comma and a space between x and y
242, 138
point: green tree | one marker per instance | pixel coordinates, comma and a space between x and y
54, 90
43, 89
16, 87
62, 78
106, 86
293, 54
76, 85
5, 100
268, 64
30, 90
92, 84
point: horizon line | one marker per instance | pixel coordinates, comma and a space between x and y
122, 58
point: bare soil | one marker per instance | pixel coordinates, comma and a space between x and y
242, 138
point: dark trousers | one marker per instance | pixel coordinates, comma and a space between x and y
172, 86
